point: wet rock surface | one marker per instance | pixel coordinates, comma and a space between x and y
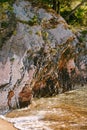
41, 52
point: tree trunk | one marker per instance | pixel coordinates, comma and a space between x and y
54, 5
58, 7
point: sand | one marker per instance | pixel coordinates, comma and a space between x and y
4, 125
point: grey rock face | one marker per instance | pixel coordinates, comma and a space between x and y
37, 30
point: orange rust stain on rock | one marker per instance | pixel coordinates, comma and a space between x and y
10, 95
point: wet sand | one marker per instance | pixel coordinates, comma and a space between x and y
4, 125
67, 111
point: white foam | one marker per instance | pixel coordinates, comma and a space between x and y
33, 122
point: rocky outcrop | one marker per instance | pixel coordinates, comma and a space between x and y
41, 52
82, 56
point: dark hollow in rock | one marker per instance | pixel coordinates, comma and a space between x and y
25, 97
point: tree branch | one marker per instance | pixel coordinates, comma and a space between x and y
73, 11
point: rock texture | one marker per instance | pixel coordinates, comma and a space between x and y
25, 96
41, 52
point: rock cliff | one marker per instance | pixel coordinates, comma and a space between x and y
39, 54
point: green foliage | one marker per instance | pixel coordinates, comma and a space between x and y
12, 59
9, 1
5, 8
7, 21
33, 21
4, 24
45, 35
79, 16
81, 39
84, 32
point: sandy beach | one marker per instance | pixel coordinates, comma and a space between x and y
4, 125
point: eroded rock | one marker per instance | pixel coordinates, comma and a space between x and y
38, 51
25, 97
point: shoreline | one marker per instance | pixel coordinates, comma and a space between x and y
5, 125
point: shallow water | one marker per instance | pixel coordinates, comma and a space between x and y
66, 111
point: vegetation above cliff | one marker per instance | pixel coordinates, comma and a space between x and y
74, 12
7, 21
